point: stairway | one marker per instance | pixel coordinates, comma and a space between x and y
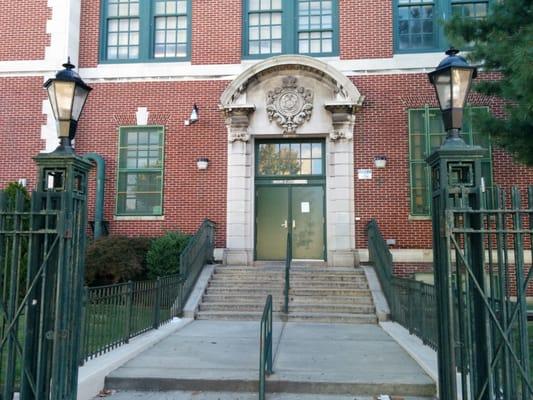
318, 294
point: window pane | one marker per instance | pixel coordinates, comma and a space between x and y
315, 24
415, 25
289, 159
140, 163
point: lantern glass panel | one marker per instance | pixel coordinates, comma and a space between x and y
443, 87
52, 97
80, 97
64, 91
460, 86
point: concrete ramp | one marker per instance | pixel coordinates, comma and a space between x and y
309, 358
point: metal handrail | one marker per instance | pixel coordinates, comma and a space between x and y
194, 256
288, 260
265, 346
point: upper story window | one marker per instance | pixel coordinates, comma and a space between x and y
417, 22
290, 26
143, 30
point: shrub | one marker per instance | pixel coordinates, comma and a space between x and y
116, 259
163, 258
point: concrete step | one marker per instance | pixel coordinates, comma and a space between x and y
281, 278
331, 308
245, 285
329, 284
210, 395
334, 318
331, 300
244, 292
329, 292
237, 298
234, 315
256, 307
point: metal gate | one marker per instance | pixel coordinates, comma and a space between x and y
491, 275
41, 280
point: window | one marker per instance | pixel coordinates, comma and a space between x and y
143, 30
290, 26
417, 22
140, 171
426, 132
290, 159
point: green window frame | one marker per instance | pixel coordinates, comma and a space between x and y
274, 27
417, 23
140, 171
426, 133
145, 30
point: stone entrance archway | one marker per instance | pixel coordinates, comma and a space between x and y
291, 97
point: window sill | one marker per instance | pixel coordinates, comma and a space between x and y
419, 218
139, 218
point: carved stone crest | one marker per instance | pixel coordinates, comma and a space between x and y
290, 105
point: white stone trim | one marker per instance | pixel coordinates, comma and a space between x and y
161, 71
64, 29
138, 218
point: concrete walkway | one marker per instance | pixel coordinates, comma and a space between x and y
312, 358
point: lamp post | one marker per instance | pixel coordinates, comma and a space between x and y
67, 94
61, 192
455, 184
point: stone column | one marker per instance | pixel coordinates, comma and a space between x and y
340, 187
239, 215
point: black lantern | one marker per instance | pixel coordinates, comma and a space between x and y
452, 80
67, 93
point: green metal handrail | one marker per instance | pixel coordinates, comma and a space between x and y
412, 303
288, 260
196, 254
265, 346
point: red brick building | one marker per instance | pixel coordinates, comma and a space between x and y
298, 100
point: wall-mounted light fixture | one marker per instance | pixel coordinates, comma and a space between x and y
380, 161
194, 116
202, 163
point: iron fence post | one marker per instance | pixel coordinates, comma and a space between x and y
157, 303
129, 311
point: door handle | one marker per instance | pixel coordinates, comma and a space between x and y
285, 225
293, 224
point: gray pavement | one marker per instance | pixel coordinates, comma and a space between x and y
200, 395
312, 358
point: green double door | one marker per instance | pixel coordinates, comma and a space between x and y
298, 209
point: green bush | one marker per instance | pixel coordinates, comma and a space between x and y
116, 259
163, 258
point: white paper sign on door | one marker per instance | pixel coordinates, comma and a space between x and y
305, 207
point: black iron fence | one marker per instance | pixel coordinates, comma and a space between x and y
116, 313
412, 303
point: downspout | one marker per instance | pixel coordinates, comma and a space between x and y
99, 203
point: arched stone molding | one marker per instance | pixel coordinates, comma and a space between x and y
323, 103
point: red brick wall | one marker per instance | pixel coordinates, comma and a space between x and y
365, 29
189, 195
381, 128
21, 118
23, 30
216, 31
89, 33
